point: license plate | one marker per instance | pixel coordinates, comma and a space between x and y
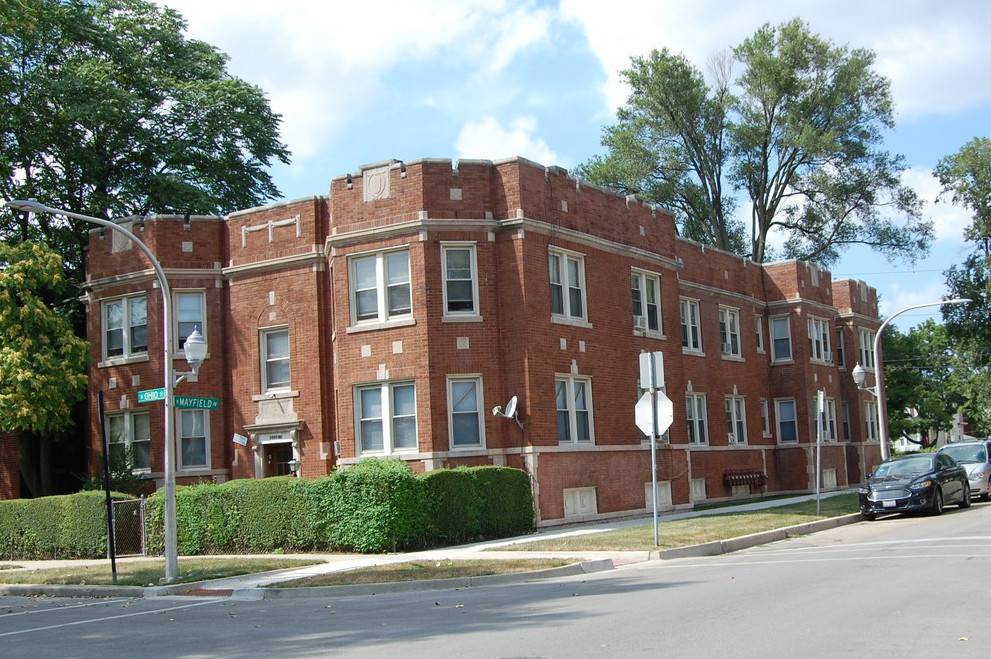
889, 504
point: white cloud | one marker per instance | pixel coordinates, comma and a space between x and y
490, 140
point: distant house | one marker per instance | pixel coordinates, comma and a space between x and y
391, 316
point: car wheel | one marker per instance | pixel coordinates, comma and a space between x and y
870, 517
937, 504
965, 502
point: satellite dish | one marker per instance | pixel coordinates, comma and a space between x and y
511, 408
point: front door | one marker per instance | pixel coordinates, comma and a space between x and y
276, 459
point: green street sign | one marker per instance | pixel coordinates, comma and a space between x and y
197, 403
151, 395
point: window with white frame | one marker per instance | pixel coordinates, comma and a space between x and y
695, 416
465, 419
780, 338
646, 291
828, 420
567, 277
125, 326
839, 348
729, 331
460, 267
846, 421
785, 412
691, 325
866, 340
385, 414
380, 287
819, 339
870, 420
194, 443
275, 359
736, 420
129, 436
190, 312
759, 332
574, 409
765, 418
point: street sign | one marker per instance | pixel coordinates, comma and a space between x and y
651, 370
645, 416
197, 403
151, 395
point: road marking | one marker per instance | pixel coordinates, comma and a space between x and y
106, 618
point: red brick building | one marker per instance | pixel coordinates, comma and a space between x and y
389, 317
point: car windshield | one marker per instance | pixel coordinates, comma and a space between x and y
917, 465
967, 453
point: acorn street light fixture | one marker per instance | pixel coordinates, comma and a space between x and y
195, 350
859, 373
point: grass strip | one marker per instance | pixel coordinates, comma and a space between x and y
421, 570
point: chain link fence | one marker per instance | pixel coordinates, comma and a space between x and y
129, 527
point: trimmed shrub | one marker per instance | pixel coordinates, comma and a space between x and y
453, 506
505, 501
64, 526
375, 506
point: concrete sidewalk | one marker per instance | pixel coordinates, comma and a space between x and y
258, 586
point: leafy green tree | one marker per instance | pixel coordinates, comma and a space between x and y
42, 361
799, 131
966, 179
108, 110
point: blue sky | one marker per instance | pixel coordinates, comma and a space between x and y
358, 83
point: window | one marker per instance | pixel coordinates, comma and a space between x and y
780, 338
275, 359
846, 421
193, 442
386, 417
736, 420
567, 273
129, 436
787, 420
866, 348
465, 412
729, 331
380, 287
840, 352
691, 329
828, 420
819, 340
645, 289
765, 418
696, 419
759, 332
189, 313
125, 327
870, 420
460, 280
574, 410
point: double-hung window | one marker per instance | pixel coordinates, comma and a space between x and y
193, 439
460, 280
840, 348
819, 340
870, 420
736, 420
574, 410
464, 395
646, 291
691, 325
380, 287
787, 420
129, 436
696, 419
190, 311
385, 415
275, 359
759, 332
866, 340
567, 278
828, 420
729, 331
125, 326
780, 338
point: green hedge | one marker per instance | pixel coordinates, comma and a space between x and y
377, 505
65, 526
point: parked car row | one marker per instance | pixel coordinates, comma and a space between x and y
929, 481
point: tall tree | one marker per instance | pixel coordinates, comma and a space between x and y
108, 110
42, 362
799, 131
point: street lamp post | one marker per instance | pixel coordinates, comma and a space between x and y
860, 374
195, 353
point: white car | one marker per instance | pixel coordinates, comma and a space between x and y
975, 455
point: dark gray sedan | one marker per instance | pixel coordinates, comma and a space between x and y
917, 482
